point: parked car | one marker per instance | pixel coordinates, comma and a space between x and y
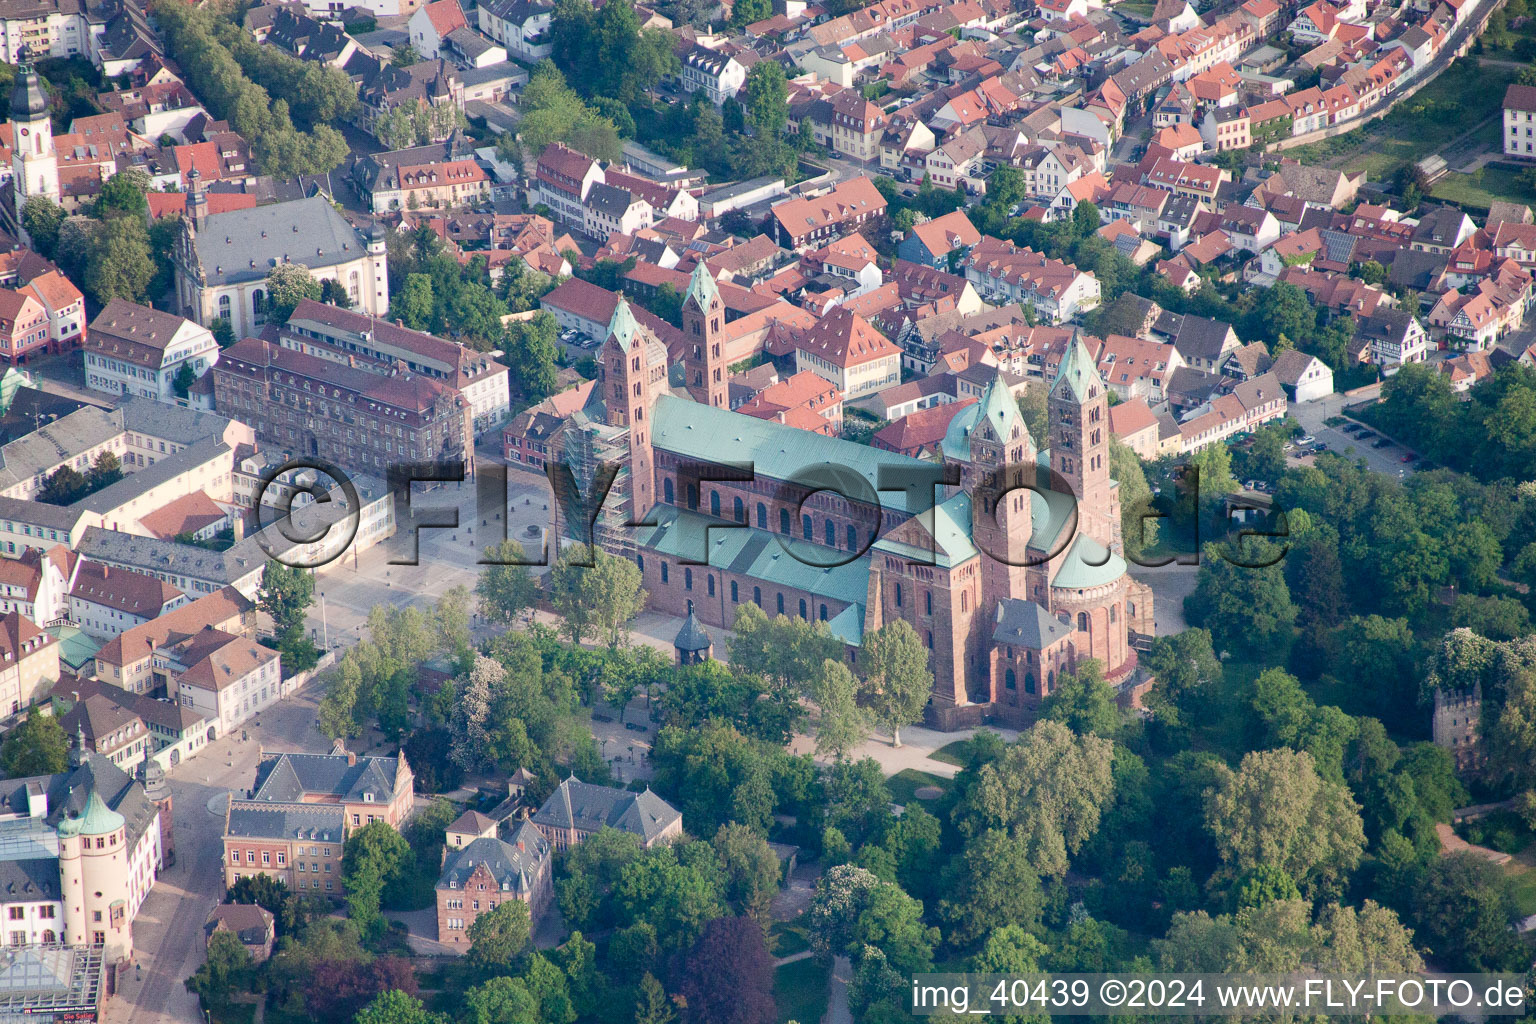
1305, 439
1367, 435
1288, 447
1320, 447
1383, 443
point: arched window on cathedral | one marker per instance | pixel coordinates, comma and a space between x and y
805, 527
667, 493
930, 640
1130, 608
784, 521
1112, 615
740, 510
1050, 681
898, 595
687, 579
711, 580
831, 534
927, 602
853, 539
733, 592
693, 497
781, 604
762, 516
965, 601
1082, 621
663, 572
803, 614
823, 615
1010, 681
640, 562
1029, 682
757, 596
714, 504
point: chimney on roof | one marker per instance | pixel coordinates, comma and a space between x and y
351, 758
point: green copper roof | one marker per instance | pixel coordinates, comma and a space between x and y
1077, 372
748, 551
848, 625
774, 450
12, 380
98, 819
701, 286
623, 325
957, 436
950, 525
1000, 411
1088, 564
76, 647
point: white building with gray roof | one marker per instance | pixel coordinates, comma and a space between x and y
222, 260
49, 860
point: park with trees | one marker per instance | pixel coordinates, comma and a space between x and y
1286, 732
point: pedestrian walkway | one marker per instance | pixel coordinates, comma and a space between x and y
837, 1007
1451, 843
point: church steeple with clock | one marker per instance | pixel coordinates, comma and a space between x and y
34, 164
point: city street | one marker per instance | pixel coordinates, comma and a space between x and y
168, 933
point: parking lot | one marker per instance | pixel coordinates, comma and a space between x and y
577, 344
1358, 444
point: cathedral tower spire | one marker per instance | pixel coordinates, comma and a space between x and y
626, 380
704, 363
1078, 412
1002, 457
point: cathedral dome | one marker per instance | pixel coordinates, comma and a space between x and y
1088, 564
29, 100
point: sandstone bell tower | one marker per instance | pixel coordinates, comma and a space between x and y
704, 339
624, 374
1002, 457
1078, 412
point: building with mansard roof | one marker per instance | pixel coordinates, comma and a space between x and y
487, 871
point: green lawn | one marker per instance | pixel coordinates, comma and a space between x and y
1523, 883
1480, 190
1467, 95
786, 938
905, 783
801, 990
952, 753
275, 1015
